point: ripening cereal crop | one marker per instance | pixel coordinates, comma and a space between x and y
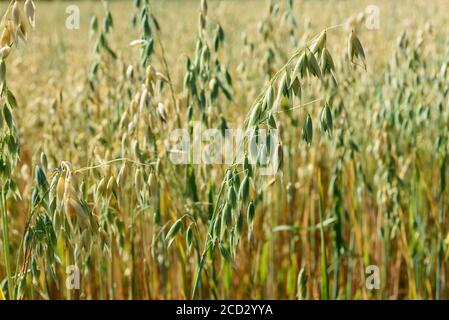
254, 149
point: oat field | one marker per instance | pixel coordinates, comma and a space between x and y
121, 176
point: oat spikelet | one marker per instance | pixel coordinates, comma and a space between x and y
60, 190
16, 13
161, 111
30, 12
138, 43
7, 35
20, 26
5, 51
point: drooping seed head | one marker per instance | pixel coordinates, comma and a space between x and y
130, 72
16, 13
138, 180
5, 51
279, 158
30, 11
7, 35
60, 190
152, 184
161, 111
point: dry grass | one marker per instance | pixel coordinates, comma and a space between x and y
96, 188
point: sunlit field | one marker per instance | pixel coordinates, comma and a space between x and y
345, 196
